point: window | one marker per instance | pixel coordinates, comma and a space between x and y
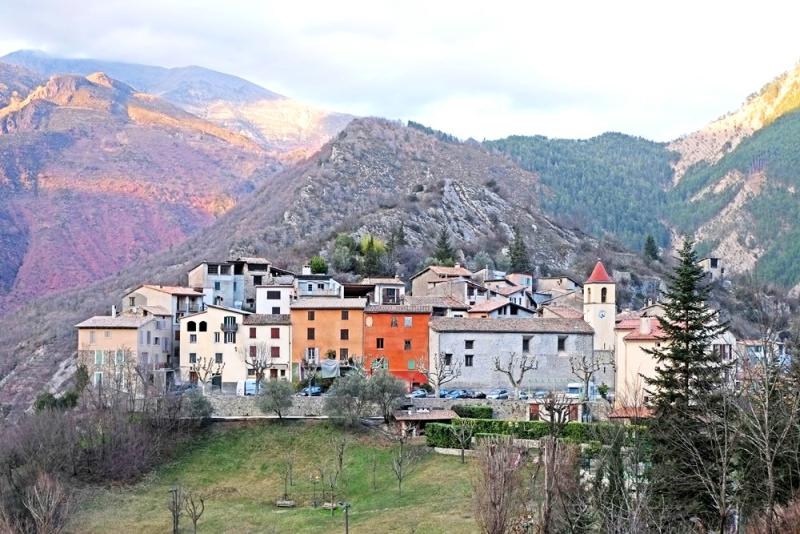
252, 332
131, 301
394, 322
344, 334
311, 315
217, 286
343, 354
202, 327
448, 359
562, 343
230, 337
234, 287
251, 372
156, 341
149, 338
177, 335
320, 286
273, 295
257, 279
98, 357
253, 351
191, 326
468, 360
276, 310
310, 333
216, 337
407, 344
469, 344
345, 315
379, 343
218, 357
603, 294
213, 269
108, 333
275, 333
275, 352
310, 287
120, 357
192, 357
283, 372
411, 364
98, 379
91, 336
192, 338
408, 321
526, 344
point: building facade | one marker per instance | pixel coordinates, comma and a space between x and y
600, 306
325, 327
396, 339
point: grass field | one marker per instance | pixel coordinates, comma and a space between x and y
239, 471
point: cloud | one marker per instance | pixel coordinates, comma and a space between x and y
473, 68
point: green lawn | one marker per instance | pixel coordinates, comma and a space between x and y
239, 471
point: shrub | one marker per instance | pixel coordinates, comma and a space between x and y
197, 406
440, 435
276, 397
473, 411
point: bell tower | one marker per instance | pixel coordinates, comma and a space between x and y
600, 306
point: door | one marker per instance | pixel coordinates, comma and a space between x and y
216, 382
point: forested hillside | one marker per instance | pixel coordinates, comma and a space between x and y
610, 184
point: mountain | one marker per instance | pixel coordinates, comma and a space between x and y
374, 175
94, 175
286, 128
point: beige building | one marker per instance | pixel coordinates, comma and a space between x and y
713, 267
423, 282
267, 342
114, 348
599, 306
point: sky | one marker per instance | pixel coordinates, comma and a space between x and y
475, 69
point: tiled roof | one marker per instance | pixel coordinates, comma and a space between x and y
489, 305
384, 281
655, 333
267, 319
430, 415
330, 303
627, 324
245, 259
175, 290
436, 301
397, 308
599, 275
450, 271
508, 290
532, 325
157, 310
124, 320
566, 312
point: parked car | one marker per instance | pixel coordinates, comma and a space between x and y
417, 394
523, 395
457, 394
250, 387
188, 387
443, 393
311, 391
478, 395
497, 394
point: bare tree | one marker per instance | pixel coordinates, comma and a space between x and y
515, 368
497, 485
175, 506
404, 459
206, 369
463, 430
439, 370
556, 406
585, 366
258, 358
194, 505
48, 504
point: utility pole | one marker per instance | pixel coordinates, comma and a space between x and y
346, 506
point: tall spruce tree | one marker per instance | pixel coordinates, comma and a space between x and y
650, 248
520, 260
689, 376
444, 253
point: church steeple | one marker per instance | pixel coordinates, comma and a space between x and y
599, 306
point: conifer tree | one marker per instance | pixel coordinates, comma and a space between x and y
689, 377
444, 253
650, 248
518, 254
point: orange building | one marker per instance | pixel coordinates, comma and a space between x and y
324, 324
396, 337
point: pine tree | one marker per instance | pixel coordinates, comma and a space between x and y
650, 248
372, 258
688, 379
518, 254
444, 253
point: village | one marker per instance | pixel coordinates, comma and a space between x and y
447, 333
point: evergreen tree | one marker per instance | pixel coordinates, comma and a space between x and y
372, 258
518, 254
318, 265
650, 248
688, 378
444, 253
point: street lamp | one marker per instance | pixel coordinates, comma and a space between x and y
346, 506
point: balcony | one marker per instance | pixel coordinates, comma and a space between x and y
316, 292
229, 327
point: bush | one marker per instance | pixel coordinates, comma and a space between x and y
276, 397
440, 435
197, 406
473, 411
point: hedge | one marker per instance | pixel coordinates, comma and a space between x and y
442, 436
473, 411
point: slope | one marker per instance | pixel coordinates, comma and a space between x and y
288, 129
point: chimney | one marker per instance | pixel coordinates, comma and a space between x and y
644, 325
457, 265
113, 310
306, 269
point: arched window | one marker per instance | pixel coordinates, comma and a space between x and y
603, 294
203, 327
588, 294
191, 326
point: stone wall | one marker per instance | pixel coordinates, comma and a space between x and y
502, 409
233, 406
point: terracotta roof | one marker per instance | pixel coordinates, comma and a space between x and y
384, 281
510, 290
631, 412
442, 270
157, 310
627, 324
398, 308
124, 320
655, 333
489, 305
174, 290
330, 303
267, 319
436, 301
532, 325
565, 311
430, 415
599, 275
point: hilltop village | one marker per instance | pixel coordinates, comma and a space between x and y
245, 320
